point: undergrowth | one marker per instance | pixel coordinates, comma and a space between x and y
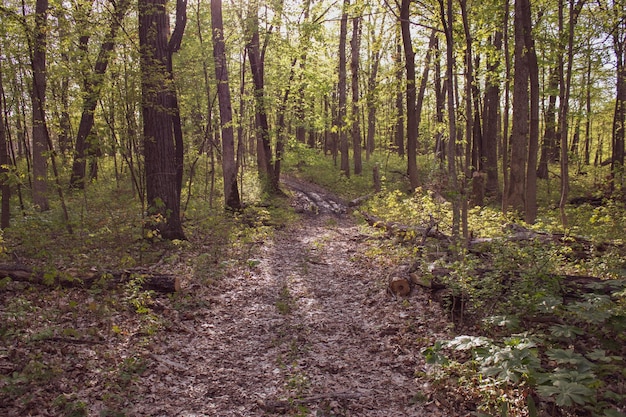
529, 337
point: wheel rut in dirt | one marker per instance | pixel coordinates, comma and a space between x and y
309, 330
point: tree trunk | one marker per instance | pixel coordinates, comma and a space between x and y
411, 94
548, 152
447, 18
229, 167
355, 47
489, 146
5, 216
530, 209
519, 132
163, 193
619, 116
340, 123
268, 177
399, 125
84, 145
38, 97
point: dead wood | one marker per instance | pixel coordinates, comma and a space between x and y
582, 248
399, 286
572, 286
405, 231
147, 280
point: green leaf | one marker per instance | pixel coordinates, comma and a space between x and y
567, 393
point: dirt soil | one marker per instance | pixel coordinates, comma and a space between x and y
310, 331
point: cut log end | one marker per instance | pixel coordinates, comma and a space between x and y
399, 286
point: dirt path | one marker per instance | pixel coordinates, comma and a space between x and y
309, 330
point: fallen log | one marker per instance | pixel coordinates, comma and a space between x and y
406, 231
147, 280
399, 285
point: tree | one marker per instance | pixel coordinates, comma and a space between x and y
162, 187
340, 122
229, 166
84, 145
267, 174
519, 130
355, 46
38, 98
619, 116
489, 146
5, 186
411, 116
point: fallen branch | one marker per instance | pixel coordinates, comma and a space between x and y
147, 280
405, 230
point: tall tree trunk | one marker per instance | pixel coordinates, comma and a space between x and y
447, 18
565, 75
163, 194
489, 146
440, 103
38, 97
84, 145
304, 48
340, 123
5, 216
619, 116
530, 198
505, 113
399, 125
269, 180
355, 47
548, 152
229, 167
372, 82
411, 94
519, 132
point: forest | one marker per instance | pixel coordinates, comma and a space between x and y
441, 183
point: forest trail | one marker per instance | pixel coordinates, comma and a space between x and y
308, 330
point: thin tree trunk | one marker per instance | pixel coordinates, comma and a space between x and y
530, 209
489, 147
84, 145
355, 47
38, 96
399, 125
266, 169
411, 94
5, 216
519, 132
340, 123
447, 18
229, 167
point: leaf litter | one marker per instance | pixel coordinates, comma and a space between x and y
305, 328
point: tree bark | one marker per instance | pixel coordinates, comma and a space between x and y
38, 97
489, 147
163, 193
530, 209
149, 281
519, 131
355, 47
268, 177
229, 167
340, 123
84, 145
5, 216
411, 94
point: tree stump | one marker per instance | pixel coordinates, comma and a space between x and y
399, 286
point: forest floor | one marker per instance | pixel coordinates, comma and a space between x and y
304, 325
310, 330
